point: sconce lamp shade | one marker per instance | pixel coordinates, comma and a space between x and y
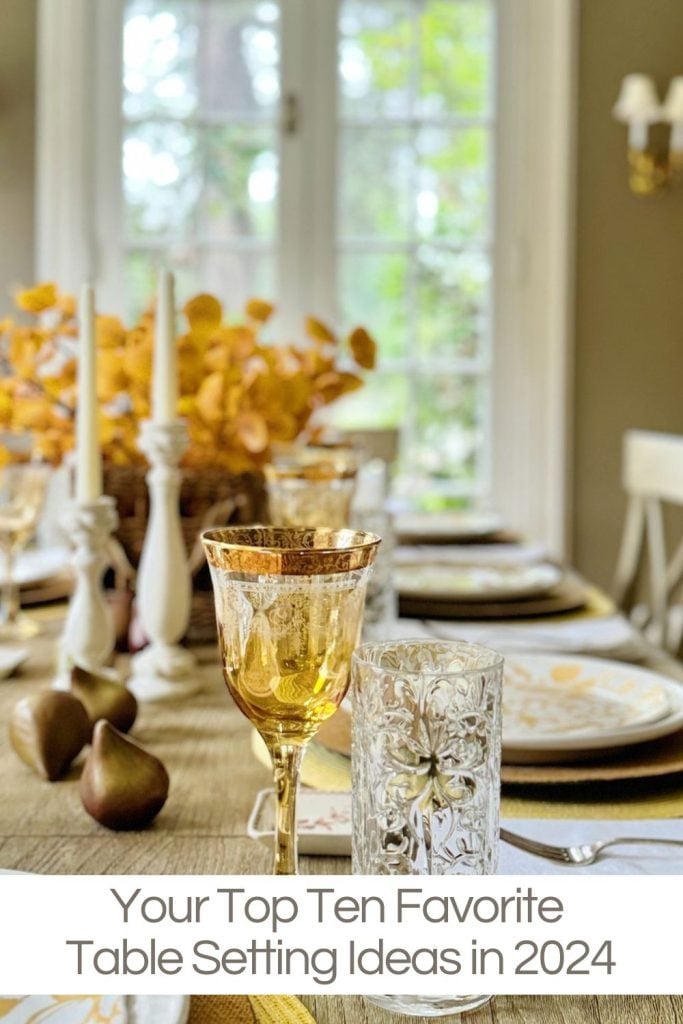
637, 101
672, 111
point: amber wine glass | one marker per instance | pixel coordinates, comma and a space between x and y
289, 608
22, 493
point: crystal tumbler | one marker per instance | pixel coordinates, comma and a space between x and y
426, 770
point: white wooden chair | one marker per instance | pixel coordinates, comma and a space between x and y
652, 474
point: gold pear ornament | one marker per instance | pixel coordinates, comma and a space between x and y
104, 698
122, 786
48, 730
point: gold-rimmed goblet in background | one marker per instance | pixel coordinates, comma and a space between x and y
289, 608
22, 493
310, 485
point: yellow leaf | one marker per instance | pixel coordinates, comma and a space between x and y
259, 309
35, 300
252, 431
318, 331
211, 398
204, 312
363, 348
109, 332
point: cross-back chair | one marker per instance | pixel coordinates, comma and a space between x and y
652, 475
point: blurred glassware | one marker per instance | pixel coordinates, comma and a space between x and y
369, 513
311, 485
22, 493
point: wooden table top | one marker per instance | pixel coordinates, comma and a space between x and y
205, 744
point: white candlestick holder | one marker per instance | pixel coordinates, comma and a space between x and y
88, 637
164, 669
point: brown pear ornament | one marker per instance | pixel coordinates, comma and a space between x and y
48, 730
122, 785
104, 698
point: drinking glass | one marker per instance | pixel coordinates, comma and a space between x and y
22, 492
426, 770
289, 608
311, 486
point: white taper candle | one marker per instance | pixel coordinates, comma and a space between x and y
165, 370
88, 454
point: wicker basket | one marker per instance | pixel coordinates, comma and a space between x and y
208, 497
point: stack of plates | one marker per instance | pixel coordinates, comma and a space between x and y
442, 589
560, 708
447, 527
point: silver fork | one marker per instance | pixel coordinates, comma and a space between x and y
583, 853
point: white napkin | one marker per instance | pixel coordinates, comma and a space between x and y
609, 635
618, 860
63, 1009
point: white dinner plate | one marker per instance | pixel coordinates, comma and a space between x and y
443, 582
11, 658
558, 708
446, 525
159, 1009
37, 565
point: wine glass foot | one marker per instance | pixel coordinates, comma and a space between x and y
20, 628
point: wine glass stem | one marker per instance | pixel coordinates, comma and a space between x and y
9, 599
286, 765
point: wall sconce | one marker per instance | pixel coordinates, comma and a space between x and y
638, 106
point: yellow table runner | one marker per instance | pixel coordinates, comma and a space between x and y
248, 1010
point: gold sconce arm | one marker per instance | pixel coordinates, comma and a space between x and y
649, 174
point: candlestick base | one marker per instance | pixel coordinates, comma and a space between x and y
164, 585
88, 637
163, 672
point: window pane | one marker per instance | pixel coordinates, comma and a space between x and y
447, 433
201, 140
241, 183
159, 57
382, 403
453, 303
141, 276
377, 58
162, 179
240, 66
374, 293
237, 276
375, 198
453, 193
455, 57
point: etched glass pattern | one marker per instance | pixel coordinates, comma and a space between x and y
426, 758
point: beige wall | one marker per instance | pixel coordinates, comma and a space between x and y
629, 317
17, 129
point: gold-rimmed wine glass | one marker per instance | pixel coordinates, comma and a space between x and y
311, 485
22, 493
289, 608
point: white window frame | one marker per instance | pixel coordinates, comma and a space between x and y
79, 215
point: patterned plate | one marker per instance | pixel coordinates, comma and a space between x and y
549, 696
158, 1009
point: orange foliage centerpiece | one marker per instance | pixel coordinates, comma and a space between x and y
238, 393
